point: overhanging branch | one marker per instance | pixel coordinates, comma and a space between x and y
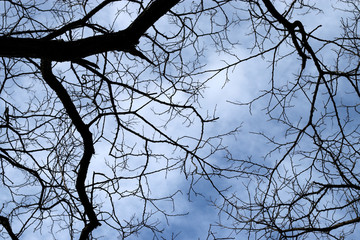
57, 50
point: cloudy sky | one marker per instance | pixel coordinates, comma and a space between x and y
221, 97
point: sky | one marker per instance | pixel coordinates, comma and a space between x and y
223, 92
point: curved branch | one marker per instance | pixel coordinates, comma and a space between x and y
80, 22
291, 28
86, 135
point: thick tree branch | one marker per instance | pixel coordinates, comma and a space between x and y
149, 16
56, 50
65, 51
86, 135
291, 28
5, 223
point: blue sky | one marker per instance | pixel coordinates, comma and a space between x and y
220, 97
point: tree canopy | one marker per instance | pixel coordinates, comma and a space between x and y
107, 121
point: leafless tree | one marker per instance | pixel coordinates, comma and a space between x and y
75, 85
89, 104
307, 186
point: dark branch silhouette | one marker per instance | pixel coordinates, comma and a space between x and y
98, 110
59, 50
